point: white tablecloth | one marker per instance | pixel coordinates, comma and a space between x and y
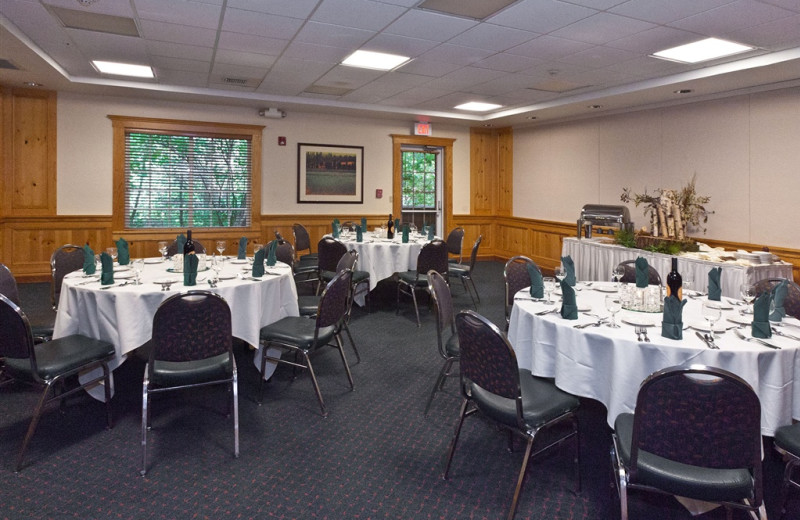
609, 364
595, 261
123, 315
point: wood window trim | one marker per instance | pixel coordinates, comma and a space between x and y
123, 124
398, 141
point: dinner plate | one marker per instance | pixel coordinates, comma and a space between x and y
584, 308
153, 260
640, 321
124, 275
239, 261
227, 277
119, 268
605, 288
740, 320
164, 281
702, 326
172, 270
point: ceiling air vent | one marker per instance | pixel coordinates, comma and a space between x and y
240, 82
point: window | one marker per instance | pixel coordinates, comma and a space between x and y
419, 180
177, 174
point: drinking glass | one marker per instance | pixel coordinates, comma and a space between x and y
748, 294
221, 245
712, 313
138, 267
617, 274
162, 248
216, 265
549, 286
112, 252
613, 306
559, 272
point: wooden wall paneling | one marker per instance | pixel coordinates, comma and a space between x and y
505, 173
482, 171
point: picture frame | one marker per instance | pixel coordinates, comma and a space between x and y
330, 174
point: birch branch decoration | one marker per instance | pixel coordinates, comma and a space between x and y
672, 212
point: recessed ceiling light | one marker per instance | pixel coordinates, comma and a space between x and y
594, 107
374, 60
32, 84
531, 118
123, 69
683, 91
477, 106
703, 50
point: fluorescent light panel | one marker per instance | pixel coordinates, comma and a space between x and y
374, 60
477, 106
123, 69
703, 50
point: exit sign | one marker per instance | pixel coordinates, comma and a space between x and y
423, 129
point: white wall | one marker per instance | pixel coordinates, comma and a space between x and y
85, 152
743, 150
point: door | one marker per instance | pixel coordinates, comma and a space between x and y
421, 187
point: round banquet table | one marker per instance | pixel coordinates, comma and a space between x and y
123, 313
609, 364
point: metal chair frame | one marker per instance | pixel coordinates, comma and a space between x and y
516, 278
445, 318
455, 244
63, 261
432, 256
464, 273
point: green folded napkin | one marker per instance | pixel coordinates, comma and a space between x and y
537, 284
258, 262
89, 267
714, 287
123, 252
431, 232
363, 224
405, 233
242, 254
190, 269
106, 269
335, 228
642, 273
761, 328
397, 225
360, 233
272, 249
779, 293
336, 221
569, 309
180, 241
569, 267
672, 321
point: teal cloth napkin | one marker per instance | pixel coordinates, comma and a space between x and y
123, 252
335, 228
360, 233
642, 273
714, 287
106, 269
190, 270
180, 242
242, 254
405, 233
258, 263
569, 308
779, 293
89, 267
272, 249
761, 328
431, 232
396, 225
537, 284
363, 224
672, 321
569, 266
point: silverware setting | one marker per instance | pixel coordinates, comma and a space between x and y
783, 334
709, 342
123, 284
88, 281
641, 334
548, 311
755, 340
592, 324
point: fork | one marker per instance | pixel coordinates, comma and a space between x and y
644, 334
638, 331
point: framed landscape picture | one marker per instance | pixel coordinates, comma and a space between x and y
330, 173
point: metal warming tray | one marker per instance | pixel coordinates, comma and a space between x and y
605, 217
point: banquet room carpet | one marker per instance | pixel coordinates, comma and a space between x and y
376, 455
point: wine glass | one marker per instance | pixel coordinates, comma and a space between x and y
549, 286
613, 306
216, 265
112, 252
221, 245
162, 248
138, 267
748, 293
711, 313
617, 274
559, 272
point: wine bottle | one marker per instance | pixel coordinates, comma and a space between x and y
675, 281
188, 246
390, 227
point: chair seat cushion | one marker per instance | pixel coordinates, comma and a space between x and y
788, 438
410, 278
309, 258
63, 356
458, 270
172, 373
360, 276
542, 401
713, 485
308, 305
451, 347
297, 331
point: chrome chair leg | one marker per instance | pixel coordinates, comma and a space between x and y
340, 346
235, 385
145, 425
37, 414
352, 343
462, 414
316, 384
439, 383
521, 477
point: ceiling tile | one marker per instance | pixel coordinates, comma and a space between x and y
653, 40
428, 67
162, 63
429, 26
495, 37
602, 28
246, 59
227, 70
362, 14
170, 32
182, 77
771, 34
597, 4
548, 47
313, 52
506, 62
731, 17
179, 50
333, 35
463, 78
541, 16
661, 12
456, 54
291, 8
598, 57
180, 12
112, 47
348, 77
261, 24
402, 45
249, 43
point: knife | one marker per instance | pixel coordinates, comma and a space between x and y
704, 340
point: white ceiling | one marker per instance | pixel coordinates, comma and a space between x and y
287, 53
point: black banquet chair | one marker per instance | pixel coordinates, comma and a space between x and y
330, 251
792, 301
695, 433
303, 336
8, 287
629, 275
512, 398
464, 272
49, 364
787, 443
516, 278
432, 257
446, 335
191, 347
455, 242
63, 261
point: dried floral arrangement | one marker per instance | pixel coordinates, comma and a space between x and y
671, 212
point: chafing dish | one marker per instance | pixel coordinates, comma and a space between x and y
603, 218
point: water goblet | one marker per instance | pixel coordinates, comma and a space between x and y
617, 274
711, 313
687, 286
112, 252
549, 286
613, 306
216, 265
138, 267
748, 293
559, 272
412, 229
162, 248
221, 245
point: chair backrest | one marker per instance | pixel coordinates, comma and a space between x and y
334, 300
302, 241
63, 261
473, 256
330, 251
791, 303
433, 257
347, 261
349, 224
516, 278
443, 303
455, 241
8, 284
172, 249
698, 415
630, 273
285, 253
486, 357
16, 340
191, 326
